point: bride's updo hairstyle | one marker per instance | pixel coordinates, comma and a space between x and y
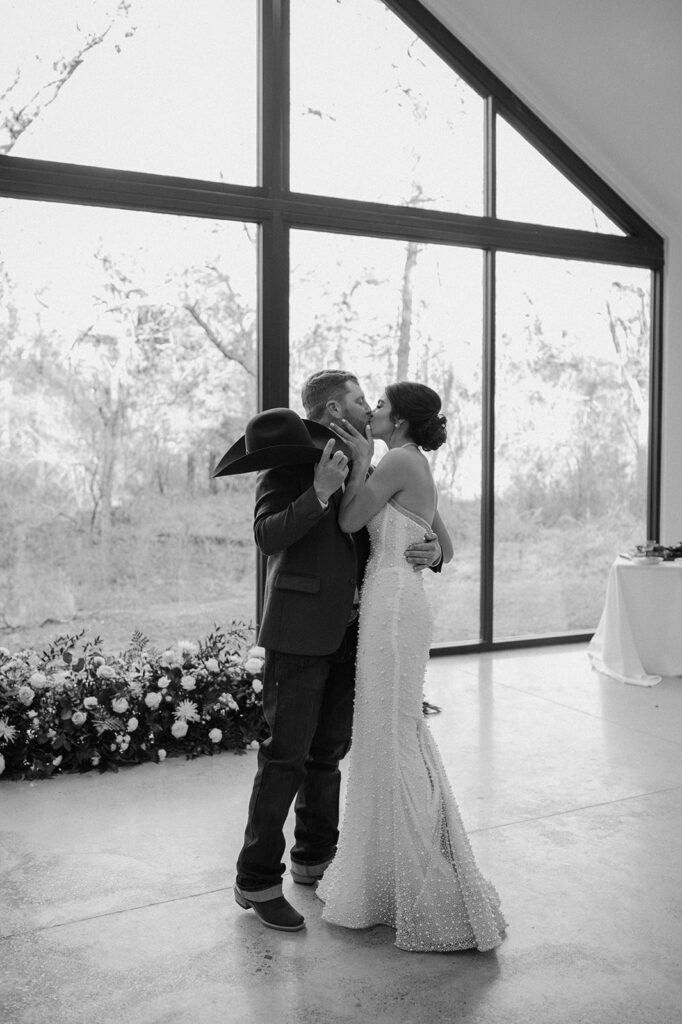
420, 406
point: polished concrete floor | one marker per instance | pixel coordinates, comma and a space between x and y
117, 903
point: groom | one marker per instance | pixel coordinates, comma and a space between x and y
309, 632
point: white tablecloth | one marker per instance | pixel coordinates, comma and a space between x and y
639, 637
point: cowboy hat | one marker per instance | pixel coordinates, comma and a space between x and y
275, 437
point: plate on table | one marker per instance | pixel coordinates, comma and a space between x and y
647, 560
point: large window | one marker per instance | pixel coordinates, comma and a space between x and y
196, 214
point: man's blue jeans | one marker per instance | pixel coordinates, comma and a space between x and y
308, 705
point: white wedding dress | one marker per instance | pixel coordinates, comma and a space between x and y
403, 859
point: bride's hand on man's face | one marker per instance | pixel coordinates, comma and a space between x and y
361, 445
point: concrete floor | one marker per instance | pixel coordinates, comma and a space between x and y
117, 889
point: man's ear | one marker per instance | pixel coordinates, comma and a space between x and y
334, 409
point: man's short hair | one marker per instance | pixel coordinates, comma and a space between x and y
322, 386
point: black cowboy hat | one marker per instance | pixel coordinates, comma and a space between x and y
275, 437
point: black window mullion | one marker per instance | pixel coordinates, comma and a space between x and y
273, 257
655, 412
488, 450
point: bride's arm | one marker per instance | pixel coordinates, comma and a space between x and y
365, 495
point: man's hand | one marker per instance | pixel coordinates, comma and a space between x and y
361, 445
423, 554
330, 472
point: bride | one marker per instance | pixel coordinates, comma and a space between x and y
404, 859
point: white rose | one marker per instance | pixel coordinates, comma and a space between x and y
152, 700
163, 682
25, 694
179, 729
95, 760
253, 665
78, 717
212, 665
38, 680
90, 702
105, 672
215, 735
256, 686
132, 724
58, 678
161, 754
257, 652
119, 705
188, 682
2, 761
56, 761
254, 745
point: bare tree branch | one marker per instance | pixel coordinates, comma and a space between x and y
16, 122
216, 340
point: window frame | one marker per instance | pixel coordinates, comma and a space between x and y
276, 210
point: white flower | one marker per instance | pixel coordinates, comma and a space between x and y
56, 761
90, 702
253, 665
25, 694
256, 686
254, 745
161, 754
2, 764
38, 680
187, 711
188, 682
7, 732
78, 717
105, 672
58, 678
169, 658
132, 724
212, 665
256, 652
228, 699
4, 652
179, 729
95, 760
33, 659
215, 735
163, 682
119, 705
97, 660
188, 646
152, 700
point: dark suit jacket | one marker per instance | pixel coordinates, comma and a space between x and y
313, 567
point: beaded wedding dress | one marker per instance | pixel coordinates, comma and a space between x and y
403, 859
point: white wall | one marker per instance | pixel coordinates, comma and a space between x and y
606, 75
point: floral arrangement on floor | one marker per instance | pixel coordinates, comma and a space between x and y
70, 709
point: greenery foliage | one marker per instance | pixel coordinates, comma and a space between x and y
69, 709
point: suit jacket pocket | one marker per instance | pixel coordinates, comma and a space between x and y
303, 584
